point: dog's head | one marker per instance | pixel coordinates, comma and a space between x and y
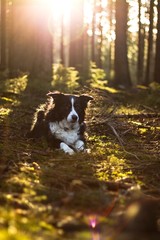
70, 107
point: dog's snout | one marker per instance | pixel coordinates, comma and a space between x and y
74, 118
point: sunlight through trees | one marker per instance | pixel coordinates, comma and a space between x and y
36, 34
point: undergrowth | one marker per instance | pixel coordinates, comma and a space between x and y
46, 194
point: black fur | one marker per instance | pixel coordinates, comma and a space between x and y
55, 110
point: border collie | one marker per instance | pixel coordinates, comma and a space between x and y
61, 121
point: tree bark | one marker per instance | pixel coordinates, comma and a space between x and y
100, 42
150, 44
30, 44
3, 35
157, 58
76, 35
93, 58
141, 33
62, 55
122, 74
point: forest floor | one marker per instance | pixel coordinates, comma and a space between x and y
110, 193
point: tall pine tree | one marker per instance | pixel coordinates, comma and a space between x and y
76, 35
157, 58
122, 74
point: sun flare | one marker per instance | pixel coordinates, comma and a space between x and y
61, 7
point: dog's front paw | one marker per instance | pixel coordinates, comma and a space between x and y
66, 148
79, 146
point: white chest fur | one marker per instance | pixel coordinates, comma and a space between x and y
66, 132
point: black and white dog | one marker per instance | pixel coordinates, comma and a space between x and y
61, 121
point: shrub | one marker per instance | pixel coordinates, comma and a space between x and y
97, 76
65, 78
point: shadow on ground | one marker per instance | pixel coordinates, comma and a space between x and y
111, 193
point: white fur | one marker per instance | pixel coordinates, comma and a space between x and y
65, 131
68, 133
66, 148
72, 112
79, 145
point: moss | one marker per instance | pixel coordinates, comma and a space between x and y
40, 188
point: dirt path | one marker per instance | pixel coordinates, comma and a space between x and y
111, 193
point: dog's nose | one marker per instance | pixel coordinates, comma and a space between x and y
74, 118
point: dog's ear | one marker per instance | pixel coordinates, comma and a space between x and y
85, 99
55, 95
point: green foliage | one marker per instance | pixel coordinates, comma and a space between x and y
97, 76
65, 78
9, 235
15, 85
154, 86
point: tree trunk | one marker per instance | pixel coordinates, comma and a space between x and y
3, 35
30, 48
150, 45
122, 75
141, 34
157, 58
86, 58
110, 48
76, 35
100, 42
93, 32
62, 41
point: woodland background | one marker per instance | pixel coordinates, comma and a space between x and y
120, 37
109, 49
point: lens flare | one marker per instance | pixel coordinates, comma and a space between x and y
93, 221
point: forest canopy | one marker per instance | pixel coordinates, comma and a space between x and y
122, 38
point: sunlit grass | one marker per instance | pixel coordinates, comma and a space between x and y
17, 85
11, 88
7, 99
127, 110
45, 193
24, 206
5, 111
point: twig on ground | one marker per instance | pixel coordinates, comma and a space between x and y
116, 134
121, 141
